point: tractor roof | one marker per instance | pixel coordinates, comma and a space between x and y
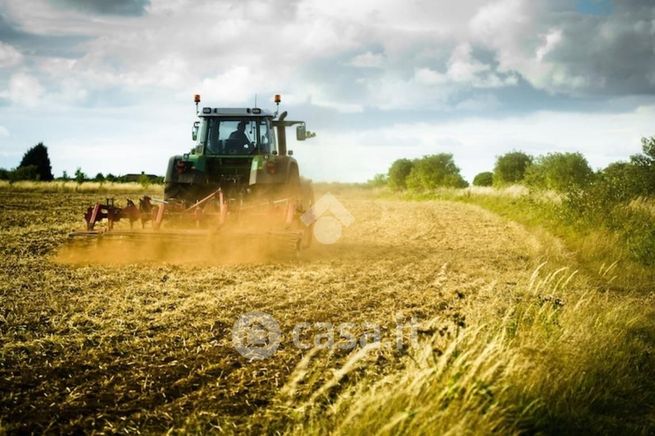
234, 112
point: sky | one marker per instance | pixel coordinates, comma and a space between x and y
108, 85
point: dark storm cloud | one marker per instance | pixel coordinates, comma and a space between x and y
613, 52
108, 7
594, 7
40, 45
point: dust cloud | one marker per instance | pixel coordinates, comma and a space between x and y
241, 244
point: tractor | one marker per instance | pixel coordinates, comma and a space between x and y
239, 177
241, 151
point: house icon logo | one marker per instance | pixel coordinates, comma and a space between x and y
328, 217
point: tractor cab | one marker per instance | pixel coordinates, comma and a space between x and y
234, 150
234, 132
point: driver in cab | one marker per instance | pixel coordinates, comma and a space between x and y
239, 141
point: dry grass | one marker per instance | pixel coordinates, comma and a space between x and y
147, 347
505, 192
643, 204
553, 358
72, 186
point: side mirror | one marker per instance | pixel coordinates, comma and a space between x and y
301, 132
194, 131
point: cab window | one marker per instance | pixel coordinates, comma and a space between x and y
239, 137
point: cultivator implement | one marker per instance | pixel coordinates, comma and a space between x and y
215, 224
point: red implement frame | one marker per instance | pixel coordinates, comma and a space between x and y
211, 211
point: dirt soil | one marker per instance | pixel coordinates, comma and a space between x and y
148, 345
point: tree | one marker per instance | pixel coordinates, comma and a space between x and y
110, 177
99, 177
648, 156
398, 173
64, 176
559, 171
510, 167
434, 171
378, 181
483, 179
79, 175
645, 164
37, 156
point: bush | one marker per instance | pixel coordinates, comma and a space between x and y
637, 228
559, 171
398, 173
29, 172
607, 200
483, 179
144, 180
511, 167
619, 183
434, 171
646, 166
79, 175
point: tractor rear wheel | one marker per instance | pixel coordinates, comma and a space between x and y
307, 202
178, 191
301, 195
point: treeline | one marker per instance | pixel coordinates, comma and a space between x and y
35, 165
429, 172
619, 198
562, 172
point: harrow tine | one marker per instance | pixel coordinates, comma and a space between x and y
204, 200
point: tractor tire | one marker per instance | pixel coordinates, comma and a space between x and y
177, 191
292, 186
302, 194
307, 202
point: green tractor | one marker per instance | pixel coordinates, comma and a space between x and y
242, 151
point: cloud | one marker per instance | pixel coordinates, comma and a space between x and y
551, 40
4, 132
558, 49
594, 7
465, 69
24, 90
355, 55
233, 87
9, 56
368, 60
110, 7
